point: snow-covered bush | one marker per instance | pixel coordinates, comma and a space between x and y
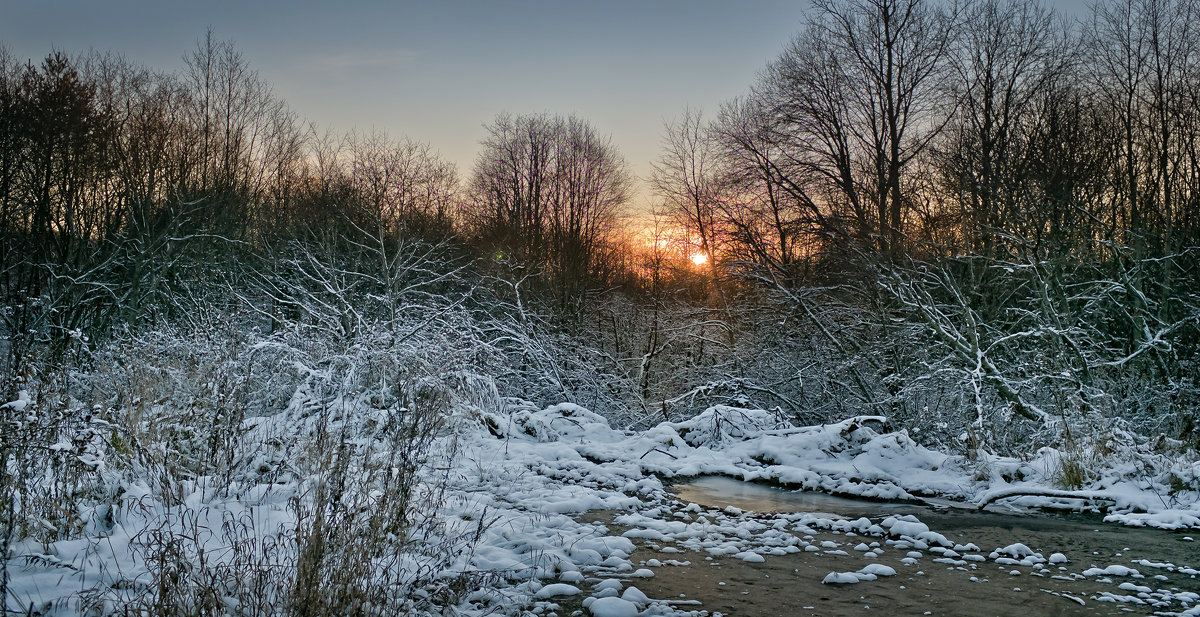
216, 467
1051, 349
716, 426
173, 438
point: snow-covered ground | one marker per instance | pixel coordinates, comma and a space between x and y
854, 457
520, 477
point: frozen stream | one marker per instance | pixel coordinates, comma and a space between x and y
1108, 569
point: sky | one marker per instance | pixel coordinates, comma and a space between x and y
437, 71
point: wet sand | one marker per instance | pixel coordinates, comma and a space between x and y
790, 585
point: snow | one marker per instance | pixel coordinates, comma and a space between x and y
878, 570
850, 458
20, 404
1113, 570
1163, 519
841, 578
527, 472
1017, 554
869, 572
554, 590
635, 595
613, 607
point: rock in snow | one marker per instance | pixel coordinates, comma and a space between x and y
1113, 570
613, 607
556, 589
840, 578
868, 573
878, 569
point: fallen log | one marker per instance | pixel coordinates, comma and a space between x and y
1017, 491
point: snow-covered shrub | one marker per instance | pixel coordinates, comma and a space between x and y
534, 357
51, 458
54, 482
1185, 480
718, 425
1071, 473
1048, 349
565, 421
367, 536
343, 478
220, 465
638, 360
178, 396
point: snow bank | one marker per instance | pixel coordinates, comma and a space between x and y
521, 475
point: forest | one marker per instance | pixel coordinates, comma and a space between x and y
977, 219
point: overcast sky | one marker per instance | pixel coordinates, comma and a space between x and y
438, 70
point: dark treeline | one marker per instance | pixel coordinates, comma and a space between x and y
951, 214
119, 184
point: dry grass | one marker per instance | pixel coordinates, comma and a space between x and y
355, 524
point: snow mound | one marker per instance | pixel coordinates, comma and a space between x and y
869, 572
561, 422
878, 569
612, 607
554, 590
721, 424
1113, 570
635, 595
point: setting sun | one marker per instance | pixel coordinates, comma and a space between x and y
699, 259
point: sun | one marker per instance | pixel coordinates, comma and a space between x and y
699, 259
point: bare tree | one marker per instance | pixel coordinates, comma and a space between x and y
1142, 57
1007, 56
509, 184
590, 185
688, 179
858, 97
549, 190
685, 178
241, 134
772, 221
401, 185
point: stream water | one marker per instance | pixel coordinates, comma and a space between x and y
790, 585
722, 491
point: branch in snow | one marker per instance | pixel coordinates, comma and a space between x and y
1021, 491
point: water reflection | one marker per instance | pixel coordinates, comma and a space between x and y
721, 491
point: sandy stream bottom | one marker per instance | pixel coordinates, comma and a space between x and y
790, 585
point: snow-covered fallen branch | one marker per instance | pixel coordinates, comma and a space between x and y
993, 496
